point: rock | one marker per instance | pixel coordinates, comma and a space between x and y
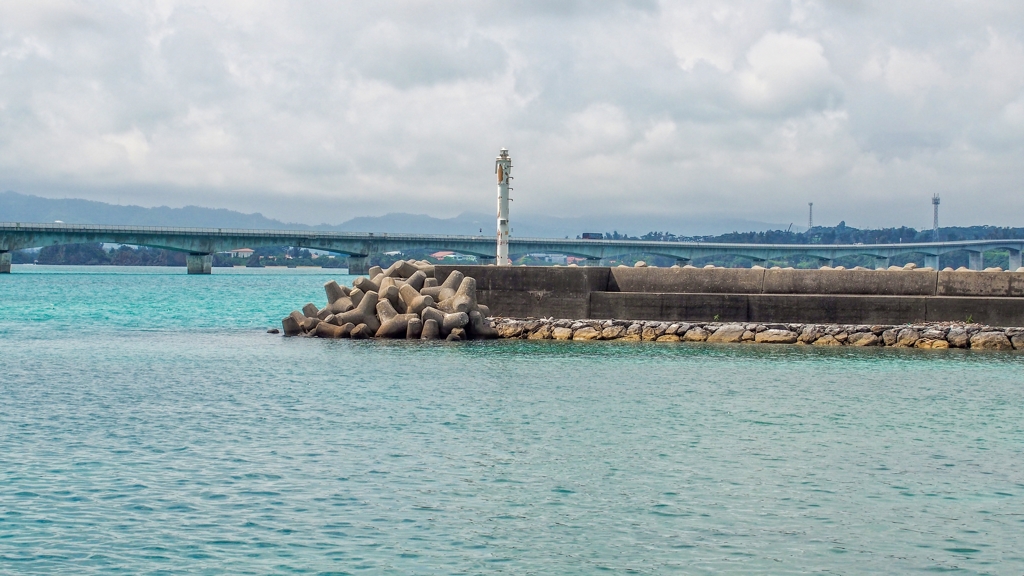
695, 334
406, 269
365, 285
934, 334
613, 332
416, 281
419, 304
863, 339
414, 328
325, 330
356, 296
364, 313
634, 332
774, 336
432, 314
290, 326
561, 333
990, 341
810, 333
649, 333
479, 327
431, 330
310, 310
273, 331
543, 332
958, 338
586, 333
909, 266
464, 298
748, 336
394, 327
343, 304
459, 320
456, 334
889, 337
640, 264
361, 332
842, 337
728, 334
931, 344
385, 311
447, 289
334, 292
827, 340
1017, 341
389, 293
668, 338
907, 338
511, 329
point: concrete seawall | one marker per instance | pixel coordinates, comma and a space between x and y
750, 295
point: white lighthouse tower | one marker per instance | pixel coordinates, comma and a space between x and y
502, 167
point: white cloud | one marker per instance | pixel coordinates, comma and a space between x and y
324, 111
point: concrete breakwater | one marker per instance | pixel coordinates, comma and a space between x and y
744, 295
930, 336
404, 301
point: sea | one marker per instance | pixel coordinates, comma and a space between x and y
149, 424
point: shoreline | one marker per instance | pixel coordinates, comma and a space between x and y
930, 335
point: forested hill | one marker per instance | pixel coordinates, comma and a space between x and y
843, 234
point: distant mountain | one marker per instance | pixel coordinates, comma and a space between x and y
15, 207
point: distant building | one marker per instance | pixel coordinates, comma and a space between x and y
448, 255
593, 236
241, 252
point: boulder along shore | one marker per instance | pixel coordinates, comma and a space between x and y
939, 335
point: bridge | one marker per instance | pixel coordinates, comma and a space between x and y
201, 243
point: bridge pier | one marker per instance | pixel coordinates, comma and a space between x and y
486, 260
359, 264
592, 262
976, 260
5, 262
682, 262
199, 263
881, 263
1015, 260
932, 261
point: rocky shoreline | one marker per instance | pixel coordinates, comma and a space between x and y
939, 335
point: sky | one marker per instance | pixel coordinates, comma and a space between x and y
703, 110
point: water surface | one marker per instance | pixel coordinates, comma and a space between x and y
148, 424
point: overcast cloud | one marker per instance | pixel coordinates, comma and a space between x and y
322, 111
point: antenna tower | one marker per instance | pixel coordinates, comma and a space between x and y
935, 216
810, 215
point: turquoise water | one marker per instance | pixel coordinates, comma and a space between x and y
148, 424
